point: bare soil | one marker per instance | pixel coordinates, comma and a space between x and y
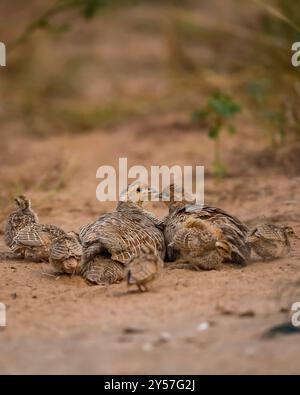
62, 325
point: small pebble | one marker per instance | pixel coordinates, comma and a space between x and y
133, 329
165, 336
247, 313
147, 347
203, 326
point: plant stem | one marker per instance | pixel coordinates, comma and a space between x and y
217, 150
59, 6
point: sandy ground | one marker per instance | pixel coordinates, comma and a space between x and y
62, 325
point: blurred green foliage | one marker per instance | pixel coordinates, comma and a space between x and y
276, 96
219, 111
251, 58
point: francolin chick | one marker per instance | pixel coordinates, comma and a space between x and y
199, 245
35, 241
144, 268
65, 253
101, 270
19, 219
271, 241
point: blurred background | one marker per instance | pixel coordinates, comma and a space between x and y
199, 82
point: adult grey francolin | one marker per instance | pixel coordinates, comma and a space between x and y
231, 229
122, 233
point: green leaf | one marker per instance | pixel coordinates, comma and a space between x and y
214, 132
223, 105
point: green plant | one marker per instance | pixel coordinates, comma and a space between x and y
219, 111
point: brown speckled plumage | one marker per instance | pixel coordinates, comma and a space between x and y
199, 245
270, 241
122, 234
65, 253
232, 230
144, 268
19, 219
36, 240
101, 270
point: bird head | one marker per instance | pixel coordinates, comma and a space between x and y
138, 193
22, 202
289, 231
224, 249
71, 265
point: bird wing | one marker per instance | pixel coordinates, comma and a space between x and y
232, 229
121, 236
99, 271
216, 215
270, 232
59, 251
194, 241
31, 236
129, 237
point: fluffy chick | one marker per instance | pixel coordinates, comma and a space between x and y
19, 219
144, 268
270, 241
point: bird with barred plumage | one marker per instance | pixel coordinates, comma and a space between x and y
122, 233
271, 241
181, 207
144, 268
65, 253
22, 217
102, 271
200, 245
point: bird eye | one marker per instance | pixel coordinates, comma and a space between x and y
138, 189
